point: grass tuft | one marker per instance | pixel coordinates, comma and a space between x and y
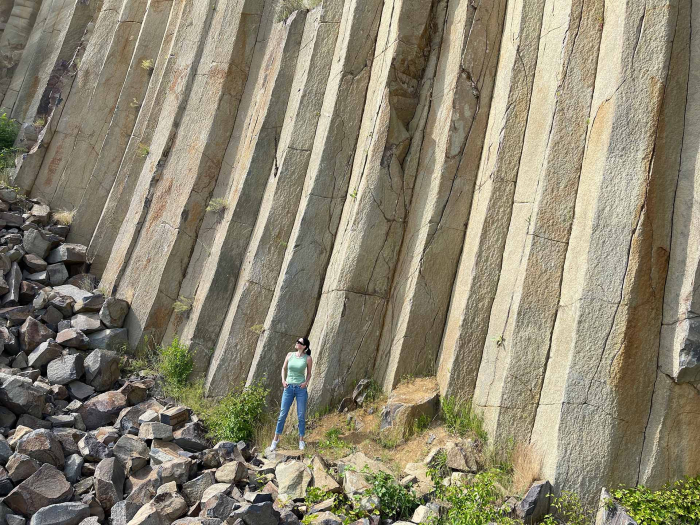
527, 466
64, 217
461, 419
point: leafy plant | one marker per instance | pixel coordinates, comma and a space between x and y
460, 419
569, 510
438, 469
478, 503
182, 305
142, 150
396, 502
9, 128
237, 415
674, 504
175, 363
332, 440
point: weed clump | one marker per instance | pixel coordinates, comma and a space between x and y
217, 205
64, 217
674, 504
175, 364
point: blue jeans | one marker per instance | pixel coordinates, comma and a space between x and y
290, 393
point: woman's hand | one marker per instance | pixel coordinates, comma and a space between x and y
284, 383
303, 385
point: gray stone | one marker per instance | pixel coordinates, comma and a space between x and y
25, 420
610, 512
156, 430
259, 514
68, 253
5, 450
92, 449
57, 274
20, 467
192, 437
114, 312
109, 482
36, 243
34, 263
43, 446
47, 486
132, 452
86, 323
66, 369
80, 390
73, 338
73, 467
61, 514
123, 512
91, 303
194, 489
218, 506
33, 333
110, 339
21, 396
535, 504
44, 353
102, 410
102, 369
293, 478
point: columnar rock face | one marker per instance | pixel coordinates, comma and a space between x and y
502, 194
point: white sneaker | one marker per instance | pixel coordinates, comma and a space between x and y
302, 445
273, 446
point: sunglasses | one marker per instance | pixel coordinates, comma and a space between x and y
301, 343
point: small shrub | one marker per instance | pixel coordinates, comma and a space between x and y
478, 503
460, 419
396, 502
142, 150
9, 128
39, 122
64, 217
674, 504
217, 205
175, 363
236, 416
570, 511
438, 468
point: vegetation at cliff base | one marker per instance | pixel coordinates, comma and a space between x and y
675, 504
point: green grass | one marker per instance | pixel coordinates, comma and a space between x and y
461, 419
175, 364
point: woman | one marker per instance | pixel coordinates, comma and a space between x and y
296, 373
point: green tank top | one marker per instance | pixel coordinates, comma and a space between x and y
296, 369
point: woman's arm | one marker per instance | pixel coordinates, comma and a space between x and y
284, 372
309, 365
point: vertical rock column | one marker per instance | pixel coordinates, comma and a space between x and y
350, 314
489, 220
176, 48
454, 137
14, 39
50, 13
671, 448
88, 58
160, 255
260, 170
595, 401
294, 302
517, 344
74, 148
111, 147
145, 172
5, 10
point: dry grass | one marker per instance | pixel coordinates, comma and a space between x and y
527, 467
64, 217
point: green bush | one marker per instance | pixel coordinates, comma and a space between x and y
460, 419
478, 503
236, 416
175, 364
396, 502
9, 129
675, 504
569, 510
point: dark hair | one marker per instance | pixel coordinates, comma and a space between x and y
306, 343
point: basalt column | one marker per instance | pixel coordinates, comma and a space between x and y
5, 10
15, 37
671, 448
73, 150
454, 137
523, 313
489, 220
167, 117
180, 194
350, 314
294, 302
41, 101
109, 148
597, 392
256, 268
169, 79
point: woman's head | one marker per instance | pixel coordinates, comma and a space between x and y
303, 344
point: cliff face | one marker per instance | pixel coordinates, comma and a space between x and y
502, 193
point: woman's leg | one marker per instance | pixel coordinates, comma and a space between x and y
287, 398
302, 398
